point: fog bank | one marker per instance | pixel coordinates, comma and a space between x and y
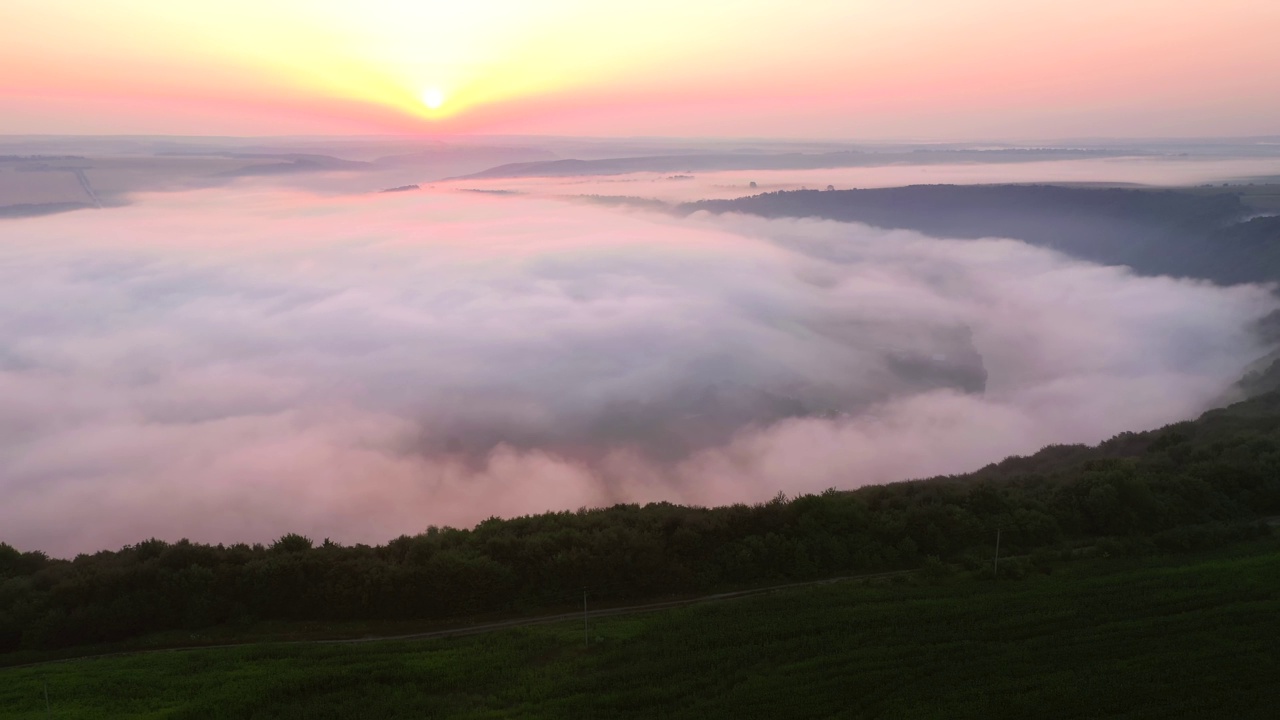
229, 365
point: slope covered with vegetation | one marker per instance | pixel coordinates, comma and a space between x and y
1156, 232
1156, 637
1188, 485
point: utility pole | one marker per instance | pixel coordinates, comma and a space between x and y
995, 564
585, 641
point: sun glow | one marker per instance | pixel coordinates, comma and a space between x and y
433, 98
662, 66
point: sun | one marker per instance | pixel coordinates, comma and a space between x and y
433, 98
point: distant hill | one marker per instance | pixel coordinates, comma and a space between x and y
465, 155
1155, 232
293, 163
38, 209
747, 160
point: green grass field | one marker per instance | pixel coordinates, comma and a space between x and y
1190, 636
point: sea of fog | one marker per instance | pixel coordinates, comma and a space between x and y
233, 364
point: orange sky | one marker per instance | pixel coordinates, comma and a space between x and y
924, 69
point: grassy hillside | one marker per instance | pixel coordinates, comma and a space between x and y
1161, 637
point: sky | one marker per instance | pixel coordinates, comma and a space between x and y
855, 69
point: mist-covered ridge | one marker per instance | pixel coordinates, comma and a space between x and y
1210, 236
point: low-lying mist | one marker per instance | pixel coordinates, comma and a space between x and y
233, 364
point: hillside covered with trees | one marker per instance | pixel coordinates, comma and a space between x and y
1186, 486
1211, 236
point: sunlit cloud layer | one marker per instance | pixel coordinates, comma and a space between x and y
232, 364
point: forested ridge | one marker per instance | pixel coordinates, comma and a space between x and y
1185, 486
1155, 232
